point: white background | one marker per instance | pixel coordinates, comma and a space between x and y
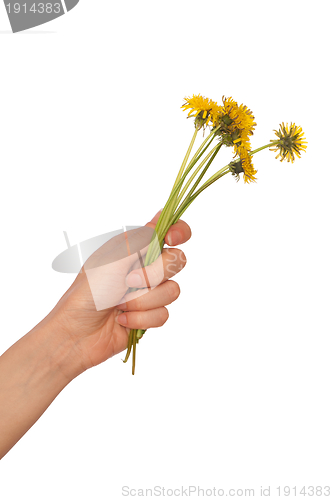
235, 390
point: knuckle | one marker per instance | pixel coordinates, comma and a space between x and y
155, 273
131, 304
140, 299
136, 303
139, 320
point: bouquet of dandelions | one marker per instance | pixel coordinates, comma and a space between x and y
230, 125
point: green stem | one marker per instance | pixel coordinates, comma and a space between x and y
134, 351
272, 143
217, 174
130, 343
194, 159
195, 173
172, 202
183, 165
186, 158
185, 204
214, 152
211, 180
210, 136
167, 212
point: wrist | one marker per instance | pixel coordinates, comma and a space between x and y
59, 352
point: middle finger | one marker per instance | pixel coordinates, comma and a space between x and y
169, 263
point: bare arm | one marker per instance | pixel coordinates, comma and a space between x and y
75, 336
32, 373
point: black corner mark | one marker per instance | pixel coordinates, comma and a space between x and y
25, 14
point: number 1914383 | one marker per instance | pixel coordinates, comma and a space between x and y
36, 8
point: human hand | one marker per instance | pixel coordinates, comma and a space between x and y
96, 335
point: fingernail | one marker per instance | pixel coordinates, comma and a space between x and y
121, 319
174, 238
134, 280
122, 306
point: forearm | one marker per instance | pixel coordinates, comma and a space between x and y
32, 373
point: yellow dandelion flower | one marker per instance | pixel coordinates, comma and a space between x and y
249, 171
244, 165
291, 141
241, 116
236, 123
201, 108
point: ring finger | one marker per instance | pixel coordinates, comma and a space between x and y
145, 299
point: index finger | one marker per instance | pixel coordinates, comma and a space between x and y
177, 234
